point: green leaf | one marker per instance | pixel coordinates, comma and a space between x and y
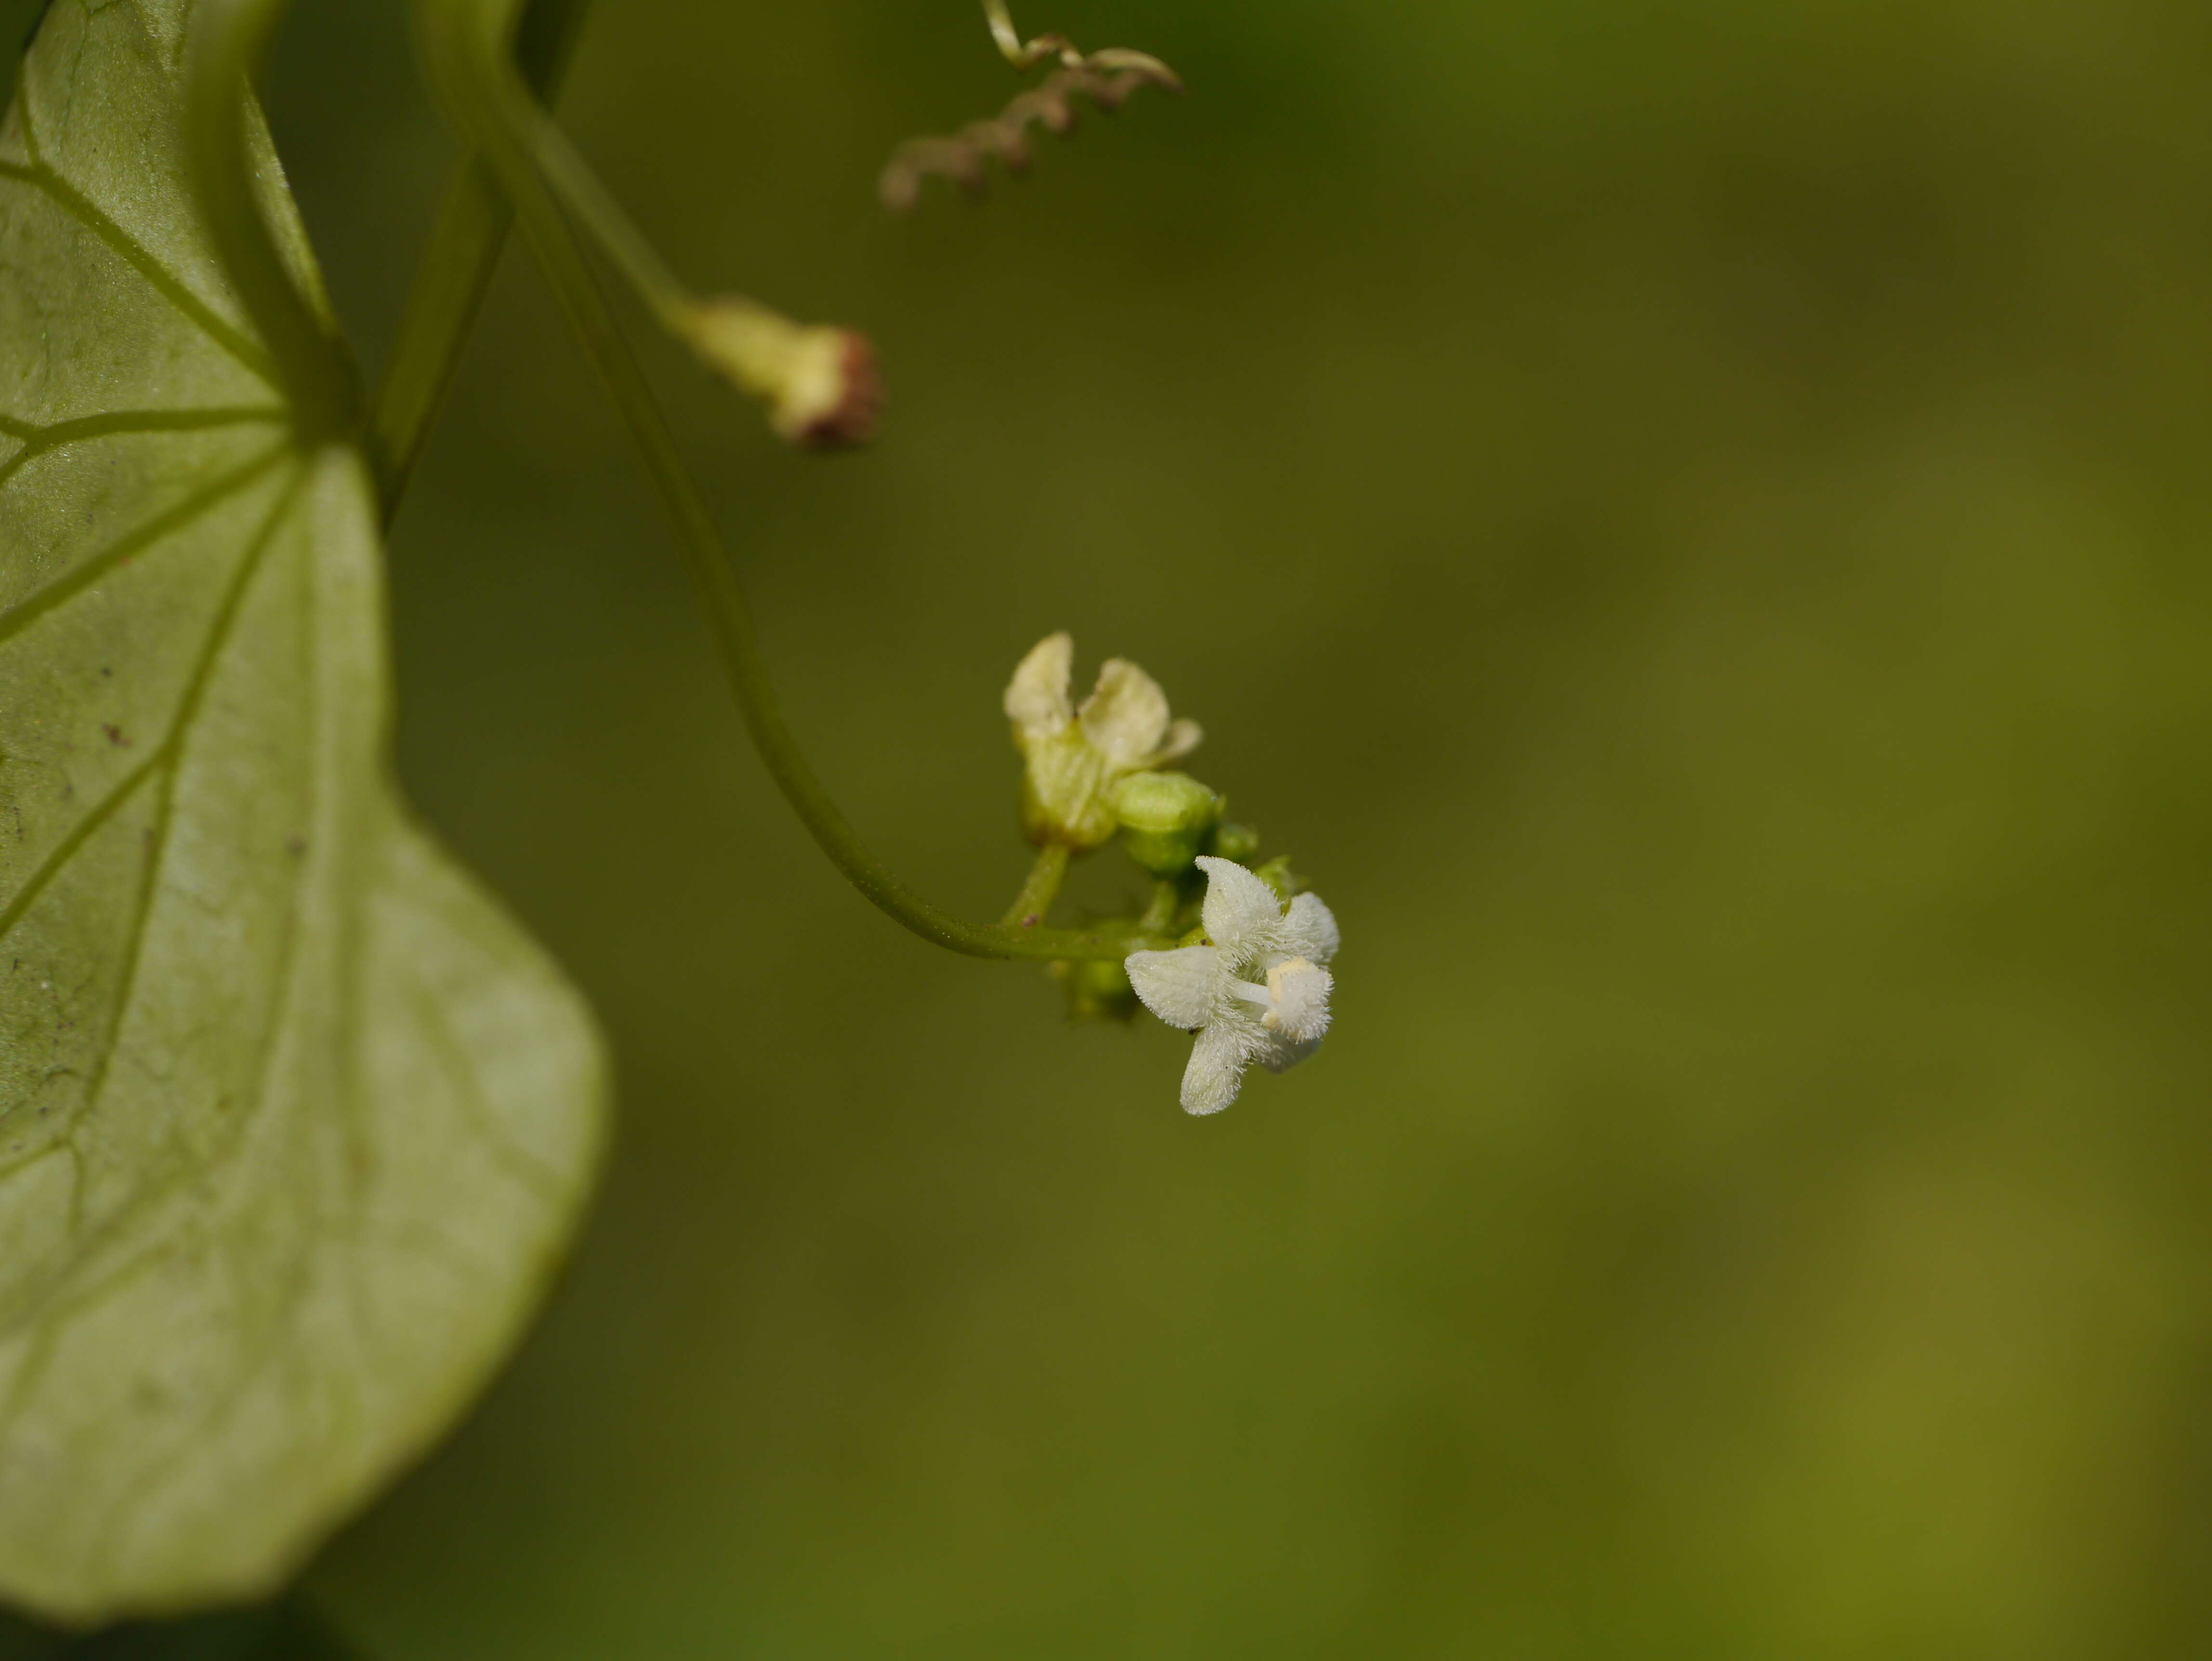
293, 1120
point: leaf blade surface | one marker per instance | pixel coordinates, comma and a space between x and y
293, 1120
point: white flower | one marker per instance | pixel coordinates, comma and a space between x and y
1076, 753
1276, 1019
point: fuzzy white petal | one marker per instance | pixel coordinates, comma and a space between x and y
1309, 929
1179, 986
1241, 912
1298, 999
1210, 1083
1126, 716
1036, 698
1279, 1054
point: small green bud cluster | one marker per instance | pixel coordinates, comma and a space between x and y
1240, 842
1278, 875
1097, 989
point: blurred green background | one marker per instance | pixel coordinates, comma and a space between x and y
1687, 520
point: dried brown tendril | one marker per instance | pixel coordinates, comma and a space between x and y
1107, 78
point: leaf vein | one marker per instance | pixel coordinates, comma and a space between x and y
30, 131
228, 336
187, 710
44, 440
81, 833
39, 1307
88, 572
48, 1335
520, 1162
267, 1348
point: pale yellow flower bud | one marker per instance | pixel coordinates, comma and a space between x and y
820, 381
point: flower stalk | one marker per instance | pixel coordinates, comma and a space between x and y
227, 41
819, 381
1046, 874
468, 45
456, 270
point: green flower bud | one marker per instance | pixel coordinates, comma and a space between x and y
1165, 820
1097, 989
1240, 842
1279, 876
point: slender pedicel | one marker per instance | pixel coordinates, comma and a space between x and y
466, 45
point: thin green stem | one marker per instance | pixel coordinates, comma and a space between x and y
228, 39
1040, 889
457, 269
597, 211
467, 43
1159, 916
